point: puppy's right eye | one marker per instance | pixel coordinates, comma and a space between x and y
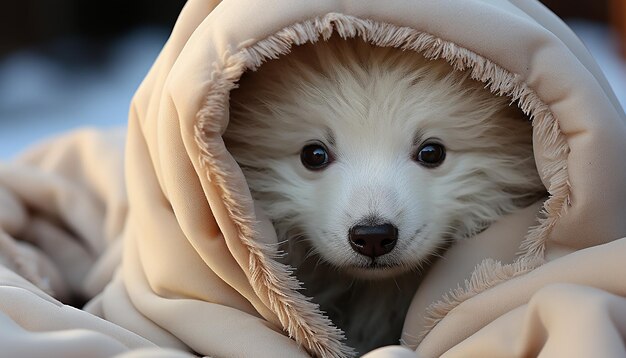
315, 156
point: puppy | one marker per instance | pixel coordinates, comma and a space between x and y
370, 161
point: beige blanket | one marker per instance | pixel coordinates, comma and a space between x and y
162, 241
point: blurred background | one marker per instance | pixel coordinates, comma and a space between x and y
73, 63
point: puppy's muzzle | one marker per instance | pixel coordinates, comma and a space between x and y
373, 240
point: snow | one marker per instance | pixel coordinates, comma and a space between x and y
40, 97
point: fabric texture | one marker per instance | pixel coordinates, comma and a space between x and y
157, 232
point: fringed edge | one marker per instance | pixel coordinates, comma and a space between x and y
488, 274
300, 318
559, 188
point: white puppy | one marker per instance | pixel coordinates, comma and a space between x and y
369, 161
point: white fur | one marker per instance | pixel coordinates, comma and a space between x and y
373, 108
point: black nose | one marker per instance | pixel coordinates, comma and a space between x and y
373, 241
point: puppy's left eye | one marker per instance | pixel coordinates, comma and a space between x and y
431, 155
315, 156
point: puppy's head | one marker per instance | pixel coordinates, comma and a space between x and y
377, 157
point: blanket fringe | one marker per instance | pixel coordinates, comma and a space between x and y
486, 275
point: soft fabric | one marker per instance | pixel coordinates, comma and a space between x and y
165, 244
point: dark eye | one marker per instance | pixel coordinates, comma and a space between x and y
431, 155
315, 156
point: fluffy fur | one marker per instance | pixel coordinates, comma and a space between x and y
373, 108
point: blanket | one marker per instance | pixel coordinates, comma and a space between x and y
146, 242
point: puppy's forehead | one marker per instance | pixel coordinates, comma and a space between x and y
404, 117
392, 127
329, 136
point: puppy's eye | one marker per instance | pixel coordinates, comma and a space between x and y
431, 155
315, 156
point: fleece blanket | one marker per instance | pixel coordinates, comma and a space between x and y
146, 242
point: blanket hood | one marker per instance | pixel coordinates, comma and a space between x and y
198, 268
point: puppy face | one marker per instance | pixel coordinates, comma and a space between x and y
377, 157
